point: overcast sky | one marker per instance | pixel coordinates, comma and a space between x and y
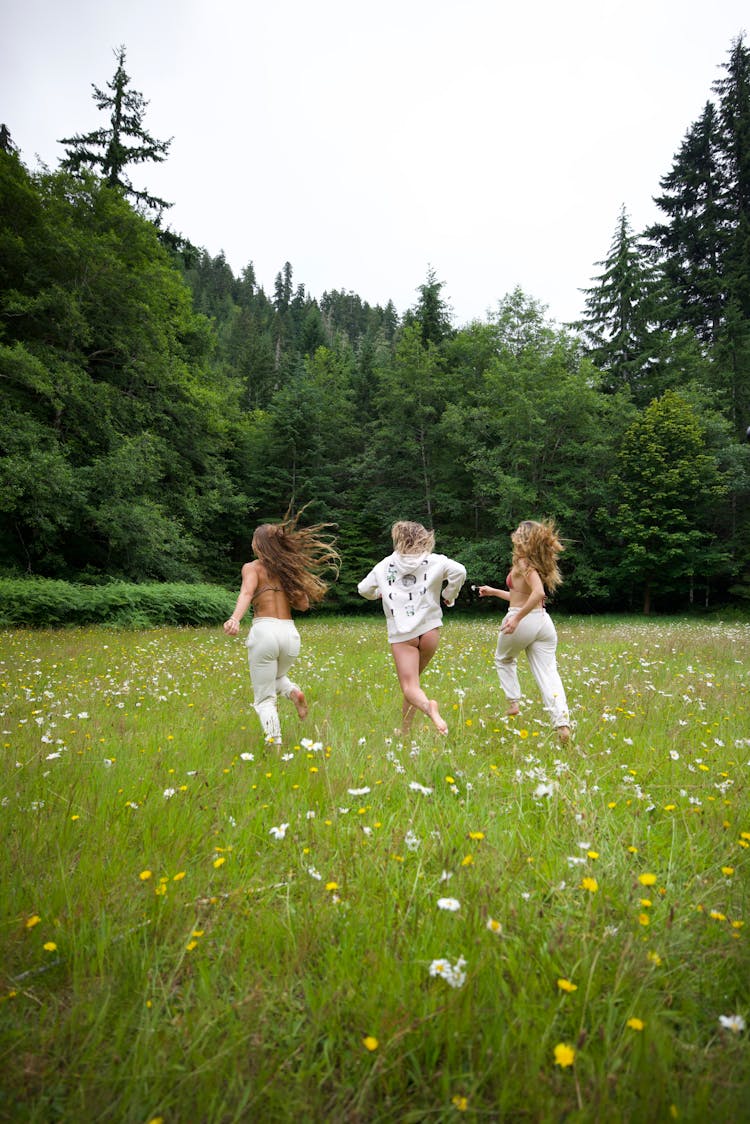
364, 142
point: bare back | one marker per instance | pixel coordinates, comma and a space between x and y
521, 584
268, 598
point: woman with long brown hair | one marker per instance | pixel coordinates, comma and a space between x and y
284, 575
527, 626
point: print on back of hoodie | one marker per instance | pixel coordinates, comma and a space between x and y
404, 594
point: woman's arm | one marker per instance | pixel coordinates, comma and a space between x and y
369, 587
455, 575
535, 598
490, 591
245, 596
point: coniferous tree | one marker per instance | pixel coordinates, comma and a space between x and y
733, 353
734, 138
621, 318
6, 142
109, 151
692, 243
704, 245
431, 312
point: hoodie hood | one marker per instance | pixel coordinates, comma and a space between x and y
409, 563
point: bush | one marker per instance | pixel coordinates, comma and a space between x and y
44, 603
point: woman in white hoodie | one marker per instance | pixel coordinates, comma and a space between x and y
410, 582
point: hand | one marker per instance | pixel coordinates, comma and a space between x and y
449, 604
509, 625
232, 626
485, 590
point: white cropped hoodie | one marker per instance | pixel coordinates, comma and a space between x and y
410, 586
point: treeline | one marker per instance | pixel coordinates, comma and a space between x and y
156, 407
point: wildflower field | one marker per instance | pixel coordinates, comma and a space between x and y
362, 927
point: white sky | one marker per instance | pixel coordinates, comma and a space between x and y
363, 142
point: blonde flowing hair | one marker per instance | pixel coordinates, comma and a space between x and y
296, 556
412, 538
536, 546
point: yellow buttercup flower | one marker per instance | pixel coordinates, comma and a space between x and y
566, 985
564, 1055
370, 1043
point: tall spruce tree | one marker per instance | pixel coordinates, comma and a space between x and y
431, 312
621, 317
704, 244
691, 244
109, 151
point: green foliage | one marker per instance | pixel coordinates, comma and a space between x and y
45, 603
156, 407
669, 485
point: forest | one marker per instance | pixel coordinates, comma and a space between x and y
156, 407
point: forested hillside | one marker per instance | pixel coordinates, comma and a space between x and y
156, 407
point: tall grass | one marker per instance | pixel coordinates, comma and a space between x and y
198, 928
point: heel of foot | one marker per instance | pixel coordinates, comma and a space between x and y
299, 700
438, 722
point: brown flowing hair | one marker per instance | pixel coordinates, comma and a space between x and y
537, 546
296, 556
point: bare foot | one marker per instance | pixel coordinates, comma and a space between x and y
513, 710
563, 733
440, 725
406, 719
299, 700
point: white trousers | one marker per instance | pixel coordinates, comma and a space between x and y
536, 636
272, 647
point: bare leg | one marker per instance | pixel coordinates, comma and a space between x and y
411, 657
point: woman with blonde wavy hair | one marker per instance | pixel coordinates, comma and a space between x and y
411, 582
284, 575
527, 626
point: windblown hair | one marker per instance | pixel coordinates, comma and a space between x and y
296, 556
536, 546
412, 538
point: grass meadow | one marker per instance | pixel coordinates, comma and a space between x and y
361, 927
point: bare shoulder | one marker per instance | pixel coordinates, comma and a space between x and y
252, 574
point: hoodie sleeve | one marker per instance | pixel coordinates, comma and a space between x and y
369, 587
455, 574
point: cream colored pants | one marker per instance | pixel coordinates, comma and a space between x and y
272, 647
536, 636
